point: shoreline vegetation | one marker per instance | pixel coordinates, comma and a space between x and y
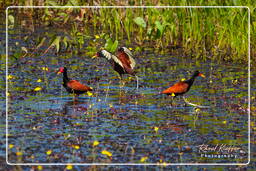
202, 33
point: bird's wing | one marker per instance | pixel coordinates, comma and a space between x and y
126, 62
117, 60
109, 56
76, 85
180, 87
130, 55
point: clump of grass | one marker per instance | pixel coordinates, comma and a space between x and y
216, 33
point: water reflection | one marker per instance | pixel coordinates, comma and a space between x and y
122, 119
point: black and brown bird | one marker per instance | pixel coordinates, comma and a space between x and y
123, 63
73, 86
182, 87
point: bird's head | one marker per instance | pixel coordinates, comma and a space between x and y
96, 55
121, 49
197, 73
102, 53
62, 70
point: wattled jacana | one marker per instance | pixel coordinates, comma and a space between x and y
123, 63
73, 86
182, 87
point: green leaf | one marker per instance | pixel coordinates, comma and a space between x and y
108, 44
10, 19
140, 21
149, 31
114, 46
72, 3
41, 42
159, 26
160, 29
56, 43
65, 41
51, 3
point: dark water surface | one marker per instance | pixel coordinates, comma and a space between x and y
135, 126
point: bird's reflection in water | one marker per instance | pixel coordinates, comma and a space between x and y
75, 108
129, 97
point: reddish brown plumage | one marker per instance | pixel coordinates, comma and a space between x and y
76, 85
124, 58
123, 63
182, 86
73, 86
178, 88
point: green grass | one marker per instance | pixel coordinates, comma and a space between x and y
214, 33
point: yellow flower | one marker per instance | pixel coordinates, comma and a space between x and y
10, 77
97, 36
69, 167
183, 79
8, 94
40, 167
110, 105
156, 128
45, 69
95, 143
39, 80
107, 153
197, 109
76, 147
89, 93
78, 124
11, 146
224, 122
143, 159
37, 89
49, 152
19, 153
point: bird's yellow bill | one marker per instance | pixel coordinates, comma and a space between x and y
202, 75
58, 73
95, 56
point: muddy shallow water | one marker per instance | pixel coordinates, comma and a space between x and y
133, 125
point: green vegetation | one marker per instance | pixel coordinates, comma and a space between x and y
215, 33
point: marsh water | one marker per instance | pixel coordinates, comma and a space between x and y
135, 126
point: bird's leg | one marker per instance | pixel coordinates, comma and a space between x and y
74, 95
122, 83
172, 99
137, 79
192, 104
185, 100
107, 90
